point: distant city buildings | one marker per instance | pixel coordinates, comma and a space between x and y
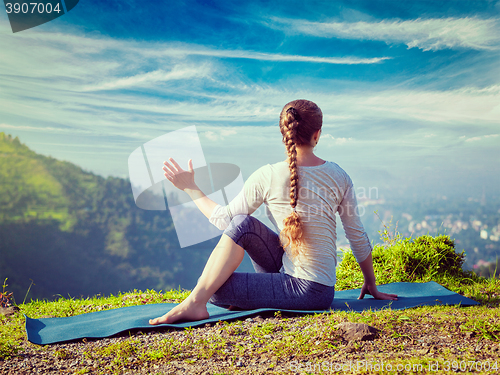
473, 223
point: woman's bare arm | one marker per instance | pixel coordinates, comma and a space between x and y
370, 287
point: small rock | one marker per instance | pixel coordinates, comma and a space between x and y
349, 348
357, 331
422, 351
8, 311
470, 334
249, 320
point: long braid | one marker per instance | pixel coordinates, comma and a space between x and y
292, 156
292, 230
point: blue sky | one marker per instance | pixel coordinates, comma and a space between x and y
410, 90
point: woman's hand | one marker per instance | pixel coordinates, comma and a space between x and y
369, 286
180, 178
371, 289
184, 180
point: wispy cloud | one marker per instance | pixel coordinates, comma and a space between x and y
124, 92
426, 34
154, 77
464, 105
330, 139
219, 135
253, 55
474, 139
36, 128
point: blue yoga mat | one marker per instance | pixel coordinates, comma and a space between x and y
110, 322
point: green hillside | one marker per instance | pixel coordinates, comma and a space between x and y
27, 188
72, 232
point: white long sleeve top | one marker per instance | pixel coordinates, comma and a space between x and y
323, 190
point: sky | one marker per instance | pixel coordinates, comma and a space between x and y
410, 90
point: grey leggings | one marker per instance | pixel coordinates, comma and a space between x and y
268, 287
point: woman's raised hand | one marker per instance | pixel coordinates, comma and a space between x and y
180, 178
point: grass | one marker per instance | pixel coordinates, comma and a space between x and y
425, 258
436, 335
12, 333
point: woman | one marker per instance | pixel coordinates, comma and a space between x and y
295, 269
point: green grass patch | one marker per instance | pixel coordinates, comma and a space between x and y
420, 260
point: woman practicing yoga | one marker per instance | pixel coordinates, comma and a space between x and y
295, 269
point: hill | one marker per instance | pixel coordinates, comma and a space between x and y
73, 233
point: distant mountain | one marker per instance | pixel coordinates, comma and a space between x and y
75, 233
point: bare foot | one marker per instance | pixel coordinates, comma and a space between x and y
187, 310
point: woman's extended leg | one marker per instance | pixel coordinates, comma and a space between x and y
223, 261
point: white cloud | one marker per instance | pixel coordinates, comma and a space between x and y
226, 132
220, 134
252, 55
35, 128
211, 135
427, 34
465, 105
123, 91
479, 138
74, 74
335, 140
154, 77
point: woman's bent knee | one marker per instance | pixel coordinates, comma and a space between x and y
238, 220
239, 224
